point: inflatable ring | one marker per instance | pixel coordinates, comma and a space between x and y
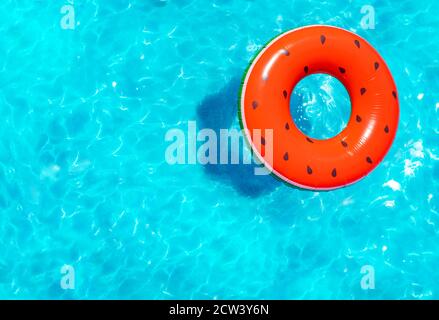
265, 104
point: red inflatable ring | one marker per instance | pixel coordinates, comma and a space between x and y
298, 159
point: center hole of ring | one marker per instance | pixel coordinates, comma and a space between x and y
320, 106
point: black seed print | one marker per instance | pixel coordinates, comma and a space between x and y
358, 118
285, 93
286, 52
344, 143
363, 91
376, 65
368, 159
309, 170
286, 156
254, 104
306, 69
322, 39
342, 70
263, 141
394, 94
309, 140
357, 43
287, 126
386, 129
334, 173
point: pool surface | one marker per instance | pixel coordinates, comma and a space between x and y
85, 107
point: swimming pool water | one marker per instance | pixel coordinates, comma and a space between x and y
84, 181
320, 106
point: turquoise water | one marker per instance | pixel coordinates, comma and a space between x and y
84, 181
320, 106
